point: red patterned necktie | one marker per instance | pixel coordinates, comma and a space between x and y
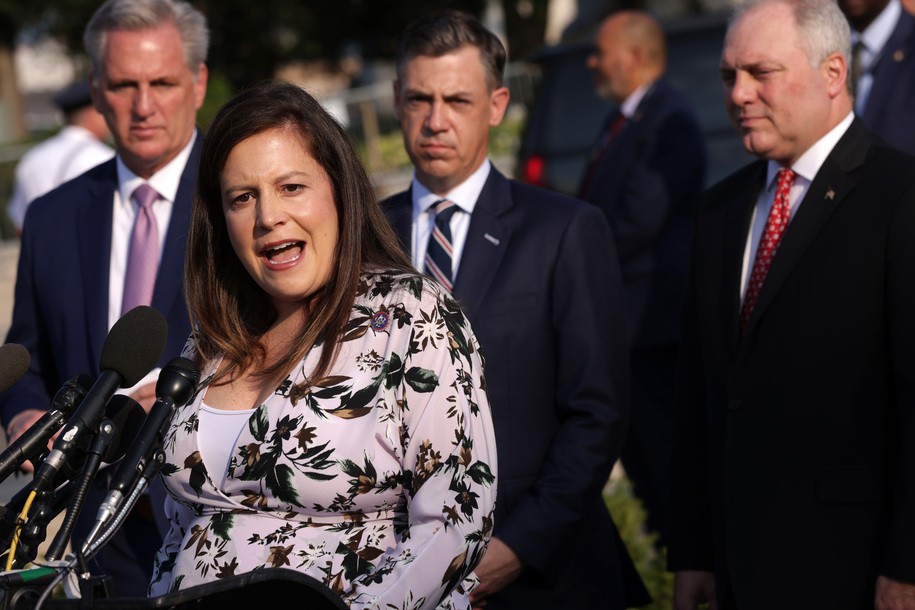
768, 244
609, 134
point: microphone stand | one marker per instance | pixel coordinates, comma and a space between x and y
107, 432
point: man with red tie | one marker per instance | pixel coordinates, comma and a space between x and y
645, 176
794, 474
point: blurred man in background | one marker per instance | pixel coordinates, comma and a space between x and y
79, 145
80, 266
883, 68
645, 174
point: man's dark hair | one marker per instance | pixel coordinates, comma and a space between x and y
447, 31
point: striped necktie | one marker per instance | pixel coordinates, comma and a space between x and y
439, 263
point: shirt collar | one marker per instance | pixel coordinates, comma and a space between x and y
809, 163
165, 181
879, 31
631, 103
464, 195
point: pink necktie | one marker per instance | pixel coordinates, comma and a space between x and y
143, 258
768, 244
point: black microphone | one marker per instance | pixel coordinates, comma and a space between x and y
127, 416
123, 419
33, 443
131, 350
14, 362
176, 385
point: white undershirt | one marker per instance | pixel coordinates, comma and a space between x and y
217, 436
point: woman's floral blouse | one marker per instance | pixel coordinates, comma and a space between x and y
379, 480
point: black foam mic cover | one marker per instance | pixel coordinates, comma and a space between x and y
14, 362
130, 351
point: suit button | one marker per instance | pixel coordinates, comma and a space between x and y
735, 405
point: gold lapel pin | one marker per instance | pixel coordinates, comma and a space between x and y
898, 55
830, 194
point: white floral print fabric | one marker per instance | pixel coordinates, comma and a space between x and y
378, 480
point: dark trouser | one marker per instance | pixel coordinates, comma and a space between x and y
646, 454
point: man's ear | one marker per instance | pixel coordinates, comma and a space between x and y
498, 101
836, 73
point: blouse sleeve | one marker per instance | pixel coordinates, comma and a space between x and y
449, 464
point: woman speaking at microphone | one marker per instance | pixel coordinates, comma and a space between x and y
342, 428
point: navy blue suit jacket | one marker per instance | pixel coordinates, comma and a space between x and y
540, 283
60, 312
647, 183
794, 467
60, 315
890, 110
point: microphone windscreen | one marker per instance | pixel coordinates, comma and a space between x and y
134, 344
14, 362
178, 380
127, 414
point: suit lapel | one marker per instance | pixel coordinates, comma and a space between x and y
618, 154
399, 210
829, 188
736, 228
94, 245
487, 240
169, 279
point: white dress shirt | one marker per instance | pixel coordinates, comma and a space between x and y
874, 38
165, 181
71, 152
806, 168
464, 195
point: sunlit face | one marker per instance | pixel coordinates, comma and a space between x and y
612, 62
780, 104
148, 95
446, 109
280, 215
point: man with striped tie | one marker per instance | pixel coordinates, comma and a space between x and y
539, 279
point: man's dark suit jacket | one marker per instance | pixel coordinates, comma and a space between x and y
60, 312
647, 183
888, 112
794, 462
540, 283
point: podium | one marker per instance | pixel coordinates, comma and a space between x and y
250, 590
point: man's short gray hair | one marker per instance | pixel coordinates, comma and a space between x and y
822, 27
144, 14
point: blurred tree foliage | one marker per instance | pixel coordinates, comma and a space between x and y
250, 39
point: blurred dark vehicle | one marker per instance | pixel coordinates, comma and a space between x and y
566, 115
